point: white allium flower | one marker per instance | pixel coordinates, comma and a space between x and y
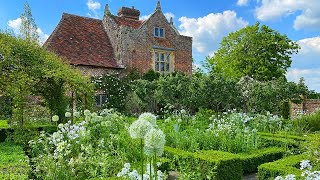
86, 112
149, 117
67, 114
154, 142
55, 118
279, 178
139, 128
76, 114
305, 164
290, 177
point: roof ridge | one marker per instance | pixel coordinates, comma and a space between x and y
89, 18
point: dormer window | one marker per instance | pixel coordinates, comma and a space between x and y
159, 32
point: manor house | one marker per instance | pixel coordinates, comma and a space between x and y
120, 42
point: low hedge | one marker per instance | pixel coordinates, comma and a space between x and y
251, 160
13, 162
287, 136
282, 167
206, 164
4, 132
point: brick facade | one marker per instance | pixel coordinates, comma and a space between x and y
127, 42
308, 106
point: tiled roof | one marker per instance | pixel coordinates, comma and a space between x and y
122, 21
82, 41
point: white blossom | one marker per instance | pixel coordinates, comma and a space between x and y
67, 114
139, 128
154, 142
55, 118
149, 117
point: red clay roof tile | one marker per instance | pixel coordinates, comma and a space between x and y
82, 41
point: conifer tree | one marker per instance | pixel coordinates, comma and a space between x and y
28, 28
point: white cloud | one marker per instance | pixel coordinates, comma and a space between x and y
306, 63
93, 5
169, 15
15, 26
311, 76
208, 31
145, 17
242, 2
308, 12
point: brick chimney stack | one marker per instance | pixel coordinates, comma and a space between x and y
130, 13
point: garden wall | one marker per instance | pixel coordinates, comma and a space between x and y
308, 106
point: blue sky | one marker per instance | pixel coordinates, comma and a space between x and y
207, 21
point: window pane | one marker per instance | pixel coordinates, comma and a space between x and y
156, 31
161, 32
168, 57
162, 57
162, 66
167, 67
98, 102
103, 99
157, 56
157, 66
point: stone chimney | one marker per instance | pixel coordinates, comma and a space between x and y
130, 13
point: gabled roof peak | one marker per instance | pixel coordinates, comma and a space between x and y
158, 6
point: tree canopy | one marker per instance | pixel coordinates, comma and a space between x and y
28, 28
256, 51
27, 69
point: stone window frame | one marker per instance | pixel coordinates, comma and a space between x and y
168, 59
158, 30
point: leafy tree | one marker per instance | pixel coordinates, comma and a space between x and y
220, 93
26, 69
28, 28
256, 51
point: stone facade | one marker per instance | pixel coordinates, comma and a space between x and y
119, 43
134, 45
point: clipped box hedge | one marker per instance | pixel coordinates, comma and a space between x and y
251, 160
13, 162
207, 164
282, 167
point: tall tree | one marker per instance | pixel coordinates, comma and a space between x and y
256, 51
28, 28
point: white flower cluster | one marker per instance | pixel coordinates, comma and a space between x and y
134, 175
150, 118
154, 142
308, 174
138, 129
55, 118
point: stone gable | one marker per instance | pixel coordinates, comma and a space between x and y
133, 44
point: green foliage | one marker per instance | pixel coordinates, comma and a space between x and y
311, 121
5, 107
205, 164
251, 160
14, 163
282, 167
4, 124
151, 75
27, 69
256, 51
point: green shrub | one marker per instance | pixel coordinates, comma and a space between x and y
282, 167
251, 160
277, 141
296, 138
206, 164
4, 124
13, 162
311, 122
